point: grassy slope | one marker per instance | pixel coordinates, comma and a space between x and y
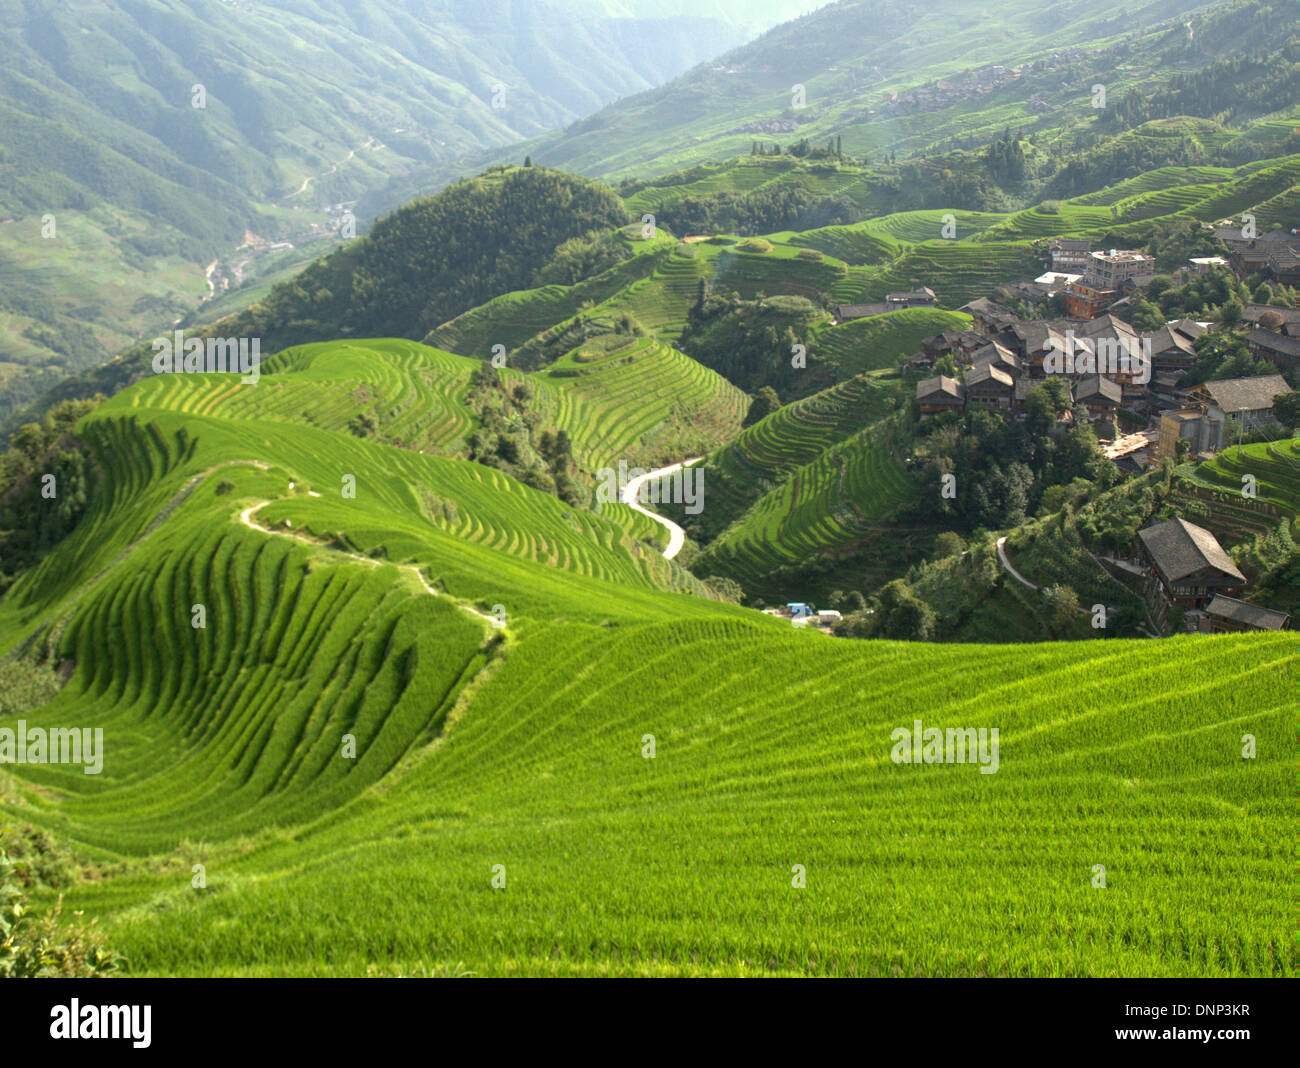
223, 748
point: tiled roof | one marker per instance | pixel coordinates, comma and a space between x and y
1180, 548
1252, 615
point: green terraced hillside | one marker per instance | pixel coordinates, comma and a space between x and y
836, 504
762, 456
635, 399
402, 697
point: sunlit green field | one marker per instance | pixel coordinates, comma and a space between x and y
622, 779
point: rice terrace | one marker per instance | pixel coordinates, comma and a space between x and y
635, 527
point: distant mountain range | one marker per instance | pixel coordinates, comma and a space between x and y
161, 135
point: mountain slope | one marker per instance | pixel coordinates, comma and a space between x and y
304, 104
336, 621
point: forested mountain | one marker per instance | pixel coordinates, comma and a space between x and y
890, 81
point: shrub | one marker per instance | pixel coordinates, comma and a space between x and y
44, 947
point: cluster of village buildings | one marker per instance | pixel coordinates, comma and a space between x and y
1115, 368
1109, 367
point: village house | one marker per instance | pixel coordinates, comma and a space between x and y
989, 386
998, 356
1103, 277
1069, 254
1171, 351
1275, 255
1082, 301
1100, 396
1053, 282
1188, 423
1278, 349
845, 313
1228, 614
1198, 265
1248, 401
1029, 292
916, 298
1209, 421
1267, 317
940, 394
1189, 562
1166, 393
1036, 338
989, 318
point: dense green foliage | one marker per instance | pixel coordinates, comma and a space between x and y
435, 258
46, 480
1001, 468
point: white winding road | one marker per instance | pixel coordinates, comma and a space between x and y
1002, 555
628, 496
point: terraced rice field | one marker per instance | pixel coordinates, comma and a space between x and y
514, 318
617, 864
878, 342
957, 271
824, 505
662, 300
1275, 467
796, 433
643, 402
518, 751
1217, 486
1149, 181
780, 270
414, 392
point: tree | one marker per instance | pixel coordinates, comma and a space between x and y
1231, 312
1286, 409
1146, 315
727, 589
362, 425
948, 544
902, 615
1064, 603
765, 402
46, 946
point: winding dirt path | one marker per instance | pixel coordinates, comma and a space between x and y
1006, 565
246, 517
628, 496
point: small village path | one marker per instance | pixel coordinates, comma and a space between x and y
1006, 565
246, 517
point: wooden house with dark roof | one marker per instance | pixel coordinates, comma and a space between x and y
989, 386
1228, 614
940, 394
999, 356
1282, 351
989, 318
912, 298
1099, 395
1189, 562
